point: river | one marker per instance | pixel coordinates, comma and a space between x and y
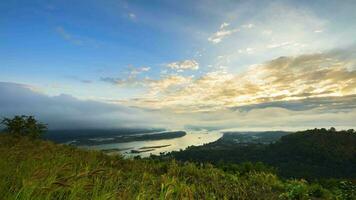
155, 147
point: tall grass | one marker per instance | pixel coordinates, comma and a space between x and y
35, 169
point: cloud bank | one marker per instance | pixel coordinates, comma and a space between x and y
67, 112
309, 76
287, 93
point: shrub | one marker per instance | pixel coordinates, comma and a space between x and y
24, 126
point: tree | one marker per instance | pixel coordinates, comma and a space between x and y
350, 131
24, 126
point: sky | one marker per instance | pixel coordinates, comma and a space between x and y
244, 65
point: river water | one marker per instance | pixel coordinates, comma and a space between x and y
155, 147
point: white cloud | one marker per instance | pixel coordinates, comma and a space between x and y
224, 24
248, 26
267, 32
138, 70
248, 50
184, 65
222, 33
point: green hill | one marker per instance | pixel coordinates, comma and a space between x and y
310, 154
317, 153
36, 169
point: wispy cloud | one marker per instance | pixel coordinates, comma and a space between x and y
248, 50
132, 16
67, 36
223, 25
131, 78
184, 65
248, 26
286, 44
86, 81
134, 71
223, 32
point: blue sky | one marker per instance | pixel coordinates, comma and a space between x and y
154, 55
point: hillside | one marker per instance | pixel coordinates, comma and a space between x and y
36, 169
317, 153
311, 154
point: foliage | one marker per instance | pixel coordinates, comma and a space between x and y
35, 169
24, 126
312, 154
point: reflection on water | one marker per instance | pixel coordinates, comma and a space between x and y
145, 148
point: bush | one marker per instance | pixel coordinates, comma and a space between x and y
24, 126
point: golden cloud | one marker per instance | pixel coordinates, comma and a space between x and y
282, 79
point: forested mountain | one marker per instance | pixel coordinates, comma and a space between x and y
317, 153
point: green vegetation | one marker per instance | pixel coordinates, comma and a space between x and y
36, 169
24, 126
312, 154
31, 168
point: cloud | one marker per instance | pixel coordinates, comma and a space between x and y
112, 80
223, 32
308, 76
79, 79
67, 36
169, 84
132, 16
318, 31
271, 118
224, 24
138, 70
285, 44
86, 81
80, 40
321, 104
248, 26
67, 112
270, 34
131, 79
184, 65
248, 50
